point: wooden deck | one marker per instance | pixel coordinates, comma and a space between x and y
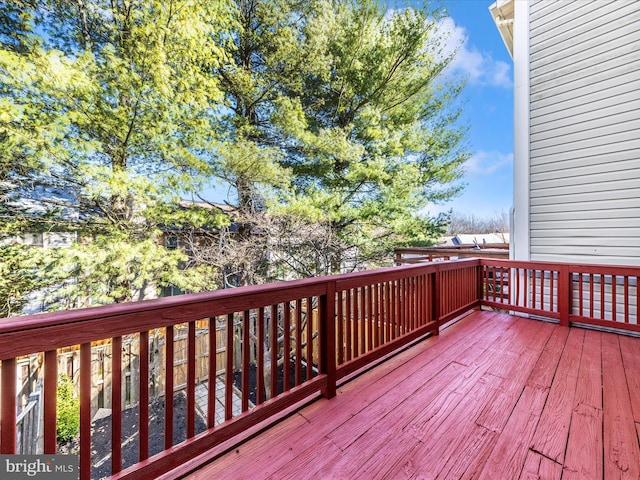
493, 397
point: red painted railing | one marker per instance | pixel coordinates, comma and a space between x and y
188, 373
264, 349
594, 295
411, 255
379, 311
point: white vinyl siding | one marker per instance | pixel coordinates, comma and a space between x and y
584, 135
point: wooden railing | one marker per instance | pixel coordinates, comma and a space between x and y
379, 311
412, 255
272, 347
593, 295
282, 343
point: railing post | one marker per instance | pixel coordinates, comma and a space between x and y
327, 326
8, 410
564, 294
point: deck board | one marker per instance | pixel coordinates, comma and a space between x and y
631, 358
583, 457
545, 369
552, 432
409, 401
537, 467
497, 412
621, 456
467, 460
508, 456
433, 456
493, 396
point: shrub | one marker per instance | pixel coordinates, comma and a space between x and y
68, 410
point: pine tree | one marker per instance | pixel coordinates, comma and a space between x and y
106, 112
373, 133
334, 122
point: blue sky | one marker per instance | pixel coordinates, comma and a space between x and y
487, 110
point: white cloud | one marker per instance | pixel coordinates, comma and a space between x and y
486, 163
479, 67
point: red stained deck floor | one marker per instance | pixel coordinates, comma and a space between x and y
493, 397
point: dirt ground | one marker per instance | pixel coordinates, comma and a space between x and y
101, 435
101, 428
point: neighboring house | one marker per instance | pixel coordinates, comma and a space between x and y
45, 239
577, 128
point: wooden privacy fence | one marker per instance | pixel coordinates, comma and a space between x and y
27, 426
282, 344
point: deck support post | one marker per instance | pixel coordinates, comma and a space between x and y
327, 327
564, 294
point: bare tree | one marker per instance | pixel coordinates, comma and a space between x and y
239, 251
470, 223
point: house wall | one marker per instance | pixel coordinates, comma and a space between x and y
584, 131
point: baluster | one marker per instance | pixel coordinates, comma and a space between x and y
273, 337
50, 405
286, 320
213, 368
116, 405
85, 411
8, 409
191, 380
143, 405
228, 377
261, 362
298, 342
309, 338
168, 392
246, 357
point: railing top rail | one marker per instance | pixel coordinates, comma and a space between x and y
255, 295
368, 277
54, 330
499, 246
605, 269
498, 262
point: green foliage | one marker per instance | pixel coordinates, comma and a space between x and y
349, 107
331, 122
372, 132
67, 409
267, 58
103, 125
119, 269
21, 269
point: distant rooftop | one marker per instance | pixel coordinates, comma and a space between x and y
474, 239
